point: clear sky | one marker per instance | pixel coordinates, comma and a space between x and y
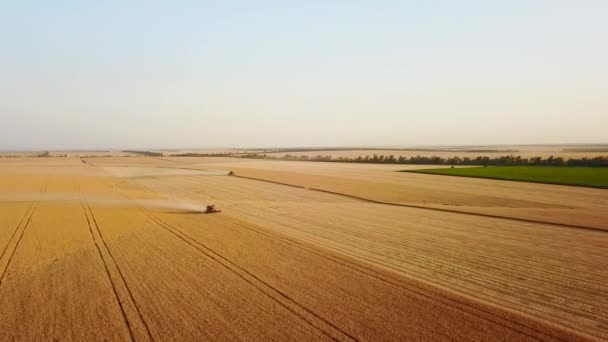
151, 74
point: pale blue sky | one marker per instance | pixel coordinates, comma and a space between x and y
150, 74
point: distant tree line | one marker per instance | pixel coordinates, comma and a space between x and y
423, 160
44, 154
145, 153
97, 156
325, 149
202, 155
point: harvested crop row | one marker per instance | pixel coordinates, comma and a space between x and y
496, 261
186, 295
304, 174
539, 202
325, 289
101, 256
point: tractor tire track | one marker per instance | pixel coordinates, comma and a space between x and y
269, 181
535, 312
491, 281
421, 207
421, 289
229, 265
471, 292
118, 301
128, 306
560, 326
490, 261
27, 217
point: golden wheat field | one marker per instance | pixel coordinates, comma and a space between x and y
116, 248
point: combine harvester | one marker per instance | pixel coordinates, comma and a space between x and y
211, 210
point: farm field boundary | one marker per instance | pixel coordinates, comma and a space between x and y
590, 177
565, 225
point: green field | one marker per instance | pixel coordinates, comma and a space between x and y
594, 177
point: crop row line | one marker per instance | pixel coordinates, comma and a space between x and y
464, 280
524, 239
467, 291
603, 230
111, 267
425, 245
485, 255
417, 289
493, 284
19, 231
232, 267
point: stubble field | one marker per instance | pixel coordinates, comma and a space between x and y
114, 249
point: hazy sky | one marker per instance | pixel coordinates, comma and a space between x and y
149, 74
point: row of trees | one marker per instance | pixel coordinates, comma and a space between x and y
47, 154
202, 155
145, 153
423, 160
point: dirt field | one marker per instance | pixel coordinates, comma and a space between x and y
113, 249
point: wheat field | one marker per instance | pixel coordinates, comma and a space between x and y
117, 249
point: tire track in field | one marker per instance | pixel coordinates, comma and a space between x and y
491, 262
193, 244
485, 257
128, 306
118, 301
492, 280
587, 312
559, 324
374, 274
229, 265
425, 295
588, 305
270, 181
197, 184
412, 288
25, 215
175, 161
590, 312
445, 210
471, 292
22, 227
